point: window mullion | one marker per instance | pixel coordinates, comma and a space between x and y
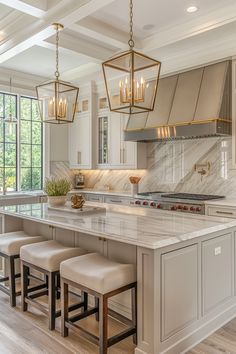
18, 144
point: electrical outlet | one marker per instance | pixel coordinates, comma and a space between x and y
217, 251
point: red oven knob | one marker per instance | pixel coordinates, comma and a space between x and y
173, 207
180, 207
145, 203
159, 206
198, 209
137, 202
185, 207
152, 204
192, 209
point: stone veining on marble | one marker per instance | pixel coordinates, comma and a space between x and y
140, 227
171, 168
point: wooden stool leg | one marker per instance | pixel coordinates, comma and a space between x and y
52, 300
24, 286
97, 305
64, 308
103, 324
84, 299
12, 282
134, 311
58, 286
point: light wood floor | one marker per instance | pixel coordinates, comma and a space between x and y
27, 333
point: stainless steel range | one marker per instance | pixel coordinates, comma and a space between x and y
181, 202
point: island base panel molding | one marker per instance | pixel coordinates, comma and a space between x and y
154, 268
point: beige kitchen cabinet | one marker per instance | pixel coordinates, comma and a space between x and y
179, 290
80, 149
113, 151
221, 211
117, 200
217, 272
81, 139
94, 198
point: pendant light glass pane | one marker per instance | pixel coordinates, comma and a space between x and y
131, 80
59, 101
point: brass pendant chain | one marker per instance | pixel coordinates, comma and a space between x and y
57, 74
131, 40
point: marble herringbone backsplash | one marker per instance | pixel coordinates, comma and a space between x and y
170, 168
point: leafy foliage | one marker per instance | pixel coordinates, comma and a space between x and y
30, 161
57, 187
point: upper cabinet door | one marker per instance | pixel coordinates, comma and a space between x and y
80, 142
186, 96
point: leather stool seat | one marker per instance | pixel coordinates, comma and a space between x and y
46, 257
49, 254
103, 279
11, 242
98, 273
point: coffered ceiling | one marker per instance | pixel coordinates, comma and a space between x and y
96, 29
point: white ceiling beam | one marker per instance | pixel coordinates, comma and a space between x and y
22, 6
85, 10
201, 24
95, 35
81, 72
52, 46
67, 12
81, 46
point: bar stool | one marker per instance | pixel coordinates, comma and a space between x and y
46, 258
102, 278
10, 244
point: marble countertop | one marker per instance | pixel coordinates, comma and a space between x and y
103, 192
15, 195
141, 227
227, 202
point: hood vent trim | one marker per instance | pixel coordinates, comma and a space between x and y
213, 95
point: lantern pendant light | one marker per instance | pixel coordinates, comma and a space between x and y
131, 79
11, 118
59, 98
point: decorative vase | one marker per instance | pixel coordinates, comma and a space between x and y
56, 201
134, 189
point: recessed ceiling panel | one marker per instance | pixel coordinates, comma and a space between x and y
41, 61
152, 16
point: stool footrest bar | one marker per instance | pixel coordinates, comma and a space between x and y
120, 336
83, 315
78, 329
34, 303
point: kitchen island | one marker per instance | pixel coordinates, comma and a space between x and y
185, 265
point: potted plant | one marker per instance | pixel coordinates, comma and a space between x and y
57, 190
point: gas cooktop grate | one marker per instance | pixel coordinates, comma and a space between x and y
192, 196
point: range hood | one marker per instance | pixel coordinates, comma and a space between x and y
193, 104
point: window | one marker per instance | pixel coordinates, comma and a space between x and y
30, 145
20, 145
8, 143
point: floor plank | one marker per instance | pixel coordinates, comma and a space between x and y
27, 333
222, 341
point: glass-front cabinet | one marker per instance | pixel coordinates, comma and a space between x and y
103, 140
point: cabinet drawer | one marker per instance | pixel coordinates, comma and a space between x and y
94, 198
116, 200
221, 211
179, 290
217, 271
